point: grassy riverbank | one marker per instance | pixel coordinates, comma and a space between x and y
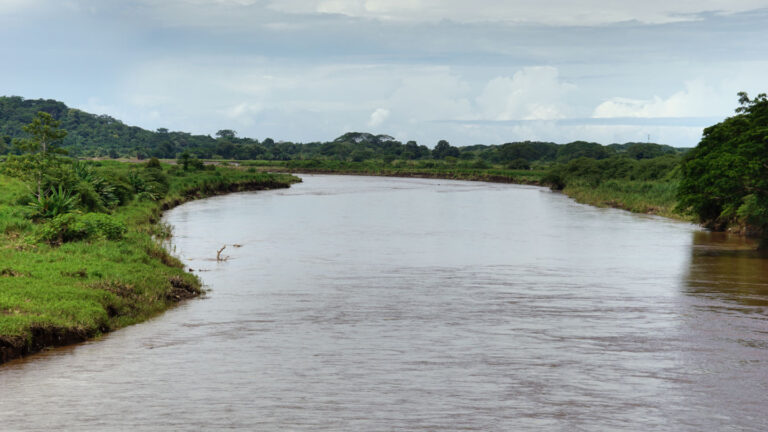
648, 197
421, 169
55, 294
656, 195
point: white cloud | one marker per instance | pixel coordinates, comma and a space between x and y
581, 12
533, 93
244, 113
260, 98
12, 6
430, 93
378, 117
696, 99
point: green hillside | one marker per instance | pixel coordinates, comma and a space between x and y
91, 135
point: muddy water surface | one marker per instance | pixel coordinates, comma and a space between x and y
378, 304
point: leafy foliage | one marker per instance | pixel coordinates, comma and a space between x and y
593, 172
71, 227
67, 274
725, 178
40, 150
443, 149
55, 203
104, 136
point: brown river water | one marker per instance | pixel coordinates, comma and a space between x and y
382, 304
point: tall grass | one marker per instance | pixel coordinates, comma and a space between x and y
651, 197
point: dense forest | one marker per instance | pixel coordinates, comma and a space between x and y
91, 135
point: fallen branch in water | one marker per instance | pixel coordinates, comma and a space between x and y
218, 254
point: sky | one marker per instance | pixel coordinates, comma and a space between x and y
470, 72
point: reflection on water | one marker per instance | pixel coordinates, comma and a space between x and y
405, 304
728, 268
725, 326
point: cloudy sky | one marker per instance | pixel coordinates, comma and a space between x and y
480, 71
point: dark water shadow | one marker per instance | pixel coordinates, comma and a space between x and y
728, 268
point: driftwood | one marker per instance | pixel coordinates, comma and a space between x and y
218, 254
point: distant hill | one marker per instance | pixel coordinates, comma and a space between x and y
92, 135
96, 135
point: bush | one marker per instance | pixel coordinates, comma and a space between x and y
150, 184
56, 202
519, 164
72, 227
153, 163
90, 200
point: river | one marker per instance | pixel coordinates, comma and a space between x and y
379, 304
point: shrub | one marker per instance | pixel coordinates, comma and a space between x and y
102, 225
149, 185
90, 200
519, 164
54, 203
72, 227
153, 163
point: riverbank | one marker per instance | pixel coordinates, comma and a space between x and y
646, 197
425, 169
54, 295
654, 197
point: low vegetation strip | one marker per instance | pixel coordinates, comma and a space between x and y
648, 186
648, 197
424, 169
76, 273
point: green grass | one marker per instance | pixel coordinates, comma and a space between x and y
90, 287
657, 197
456, 170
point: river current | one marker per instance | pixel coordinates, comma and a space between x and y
381, 304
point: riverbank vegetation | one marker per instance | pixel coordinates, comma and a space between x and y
709, 184
642, 186
102, 136
79, 241
725, 178
635, 176
79, 251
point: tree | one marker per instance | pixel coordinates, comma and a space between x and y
725, 178
443, 149
648, 150
184, 160
45, 132
226, 134
579, 149
41, 149
519, 164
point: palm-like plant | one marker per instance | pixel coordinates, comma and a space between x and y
144, 189
101, 186
82, 170
55, 202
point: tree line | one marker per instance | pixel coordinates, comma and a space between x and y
91, 135
723, 182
